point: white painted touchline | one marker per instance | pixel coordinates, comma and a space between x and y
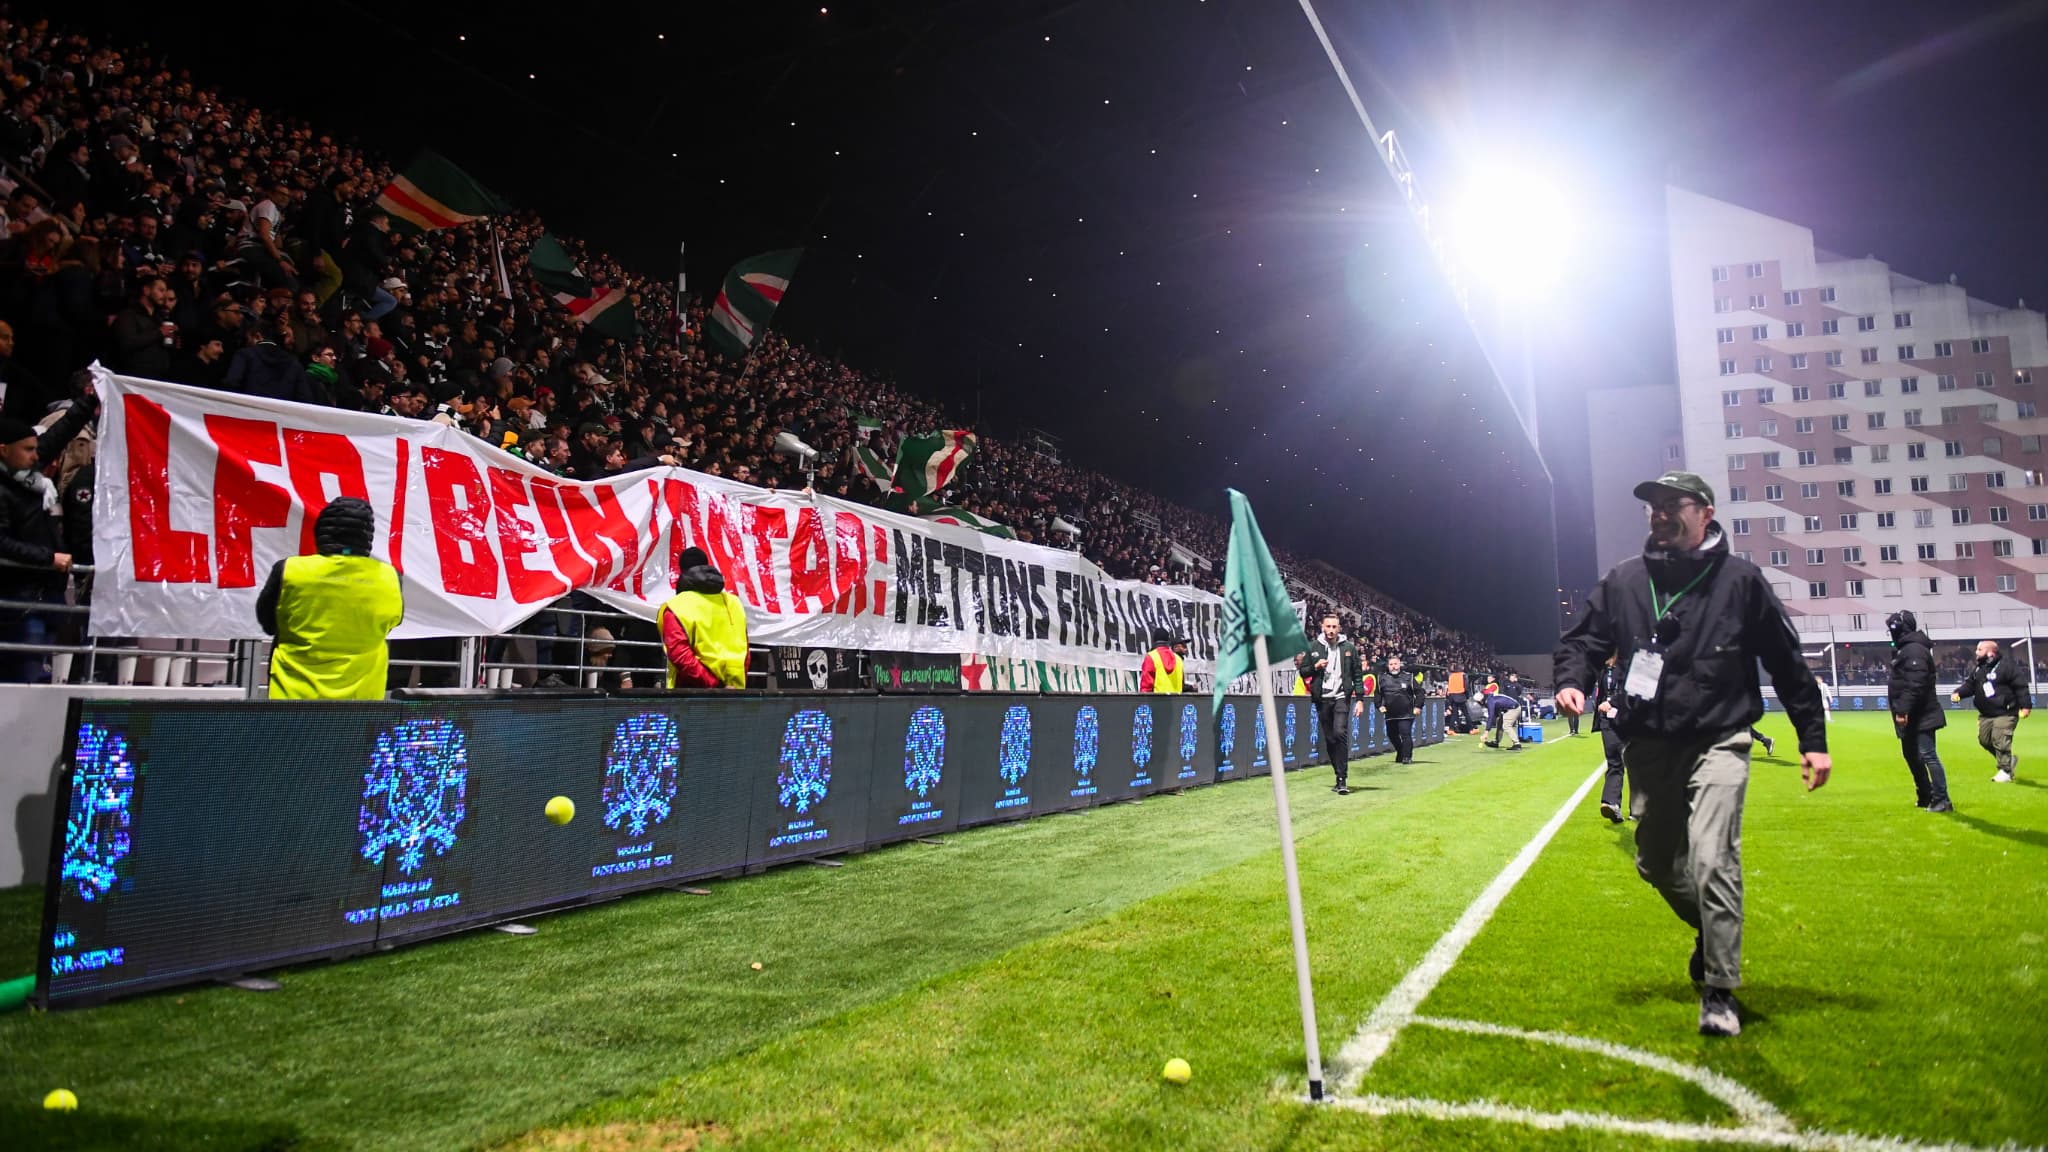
1377, 1034
1654, 1129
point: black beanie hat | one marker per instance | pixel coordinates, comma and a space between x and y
691, 558
346, 527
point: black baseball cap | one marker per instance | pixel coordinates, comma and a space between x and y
1677, 484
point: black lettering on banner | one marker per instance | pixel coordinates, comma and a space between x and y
1061, 583
953, 558
1041, 628
1112, 617
1148, 612
935, 594
998, 596
1017, 596
909, 578
976, 565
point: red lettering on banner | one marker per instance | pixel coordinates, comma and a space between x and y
568, 561
810, 563
163, 554
849, 546
764, 524
241, 501
396, 548
878, 600
683, 508
461, 527
604, 520
312, 455
722, 544
515, 540
653, 548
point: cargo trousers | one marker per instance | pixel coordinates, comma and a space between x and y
1994, 734
1687, 796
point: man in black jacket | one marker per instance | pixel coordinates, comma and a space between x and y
31, 534
1687, 624
1917, 713
2003, 700
1331, 672
1606, 701
1400, 695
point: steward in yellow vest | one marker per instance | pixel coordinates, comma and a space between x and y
703, 628
331, 612
1165, 666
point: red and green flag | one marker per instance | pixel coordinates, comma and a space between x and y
432, 193
748, 298
966, 519
870, 464
601, 309
927, 464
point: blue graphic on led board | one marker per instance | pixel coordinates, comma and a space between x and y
1258, 742
1288, 751
1315, 733
96, 827
1226, 738
1141, 745
1355, 745
1013, 756
924, 763
640, 773
1188, 723
1087, 745
415, 793
806, 776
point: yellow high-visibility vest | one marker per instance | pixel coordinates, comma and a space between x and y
333, 613
716, 624
1163, 678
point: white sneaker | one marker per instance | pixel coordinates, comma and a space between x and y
2003, 777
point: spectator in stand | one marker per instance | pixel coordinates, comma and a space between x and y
268, 369
31, 536
144, 336
21, 395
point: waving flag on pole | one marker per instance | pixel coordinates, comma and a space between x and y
748, 298
926, 464
432, 193
602, 310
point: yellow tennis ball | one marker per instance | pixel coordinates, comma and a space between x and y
61, 1100
1177, 1071
561, 809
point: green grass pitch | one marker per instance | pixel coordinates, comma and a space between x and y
1020, 986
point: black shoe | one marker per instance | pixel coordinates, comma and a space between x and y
1941, 806
1697, 966
1922, 802
1770, 747
1719, 1014
1611, 811
1343, 791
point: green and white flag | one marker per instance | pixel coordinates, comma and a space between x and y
926, 464
602, 310
869, 464
866, 426
966, 519
1255, 602
748, 298
432, 193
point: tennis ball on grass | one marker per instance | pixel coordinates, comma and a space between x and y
1177, 1071
561, 809
61, 1100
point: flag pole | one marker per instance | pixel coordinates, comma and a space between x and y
1275, 762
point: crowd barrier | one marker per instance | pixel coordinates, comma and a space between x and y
212, 839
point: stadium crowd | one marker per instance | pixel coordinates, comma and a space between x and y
155, 224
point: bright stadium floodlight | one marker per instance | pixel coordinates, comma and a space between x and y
1512, 230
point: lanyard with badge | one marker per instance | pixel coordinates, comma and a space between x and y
1646, 669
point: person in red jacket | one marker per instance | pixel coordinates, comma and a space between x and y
1165, 666
703, 628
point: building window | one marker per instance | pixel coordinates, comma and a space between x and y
1767, 460
1998, 513
1794, 329
1838, 391
2041, 547
1792, 297
1740, 554
1731, 399
1737, 493
2023, 409
1760, 332
1827, 294
1882, 486
1720, 273
1816, 589
1766, 395
1848, 521
1880, 453
1753, 271
1801, 393
2002, 547
1966, 550
1809, 491
2008, 583
1931, 585
1727, 367
1987, 411
1774, 493
1798, 360
1902, 319
1735, 463
2030, 444
1767, 428
1926, 551
1873, 420
1870, 355
1830, 327
1923, 518
1853, 588
1724, 304
1888, 553
1803, 425
1844, 454
1917, 450
1980, 346
1958, 481
1959, 515
1741, 525
1733, 431
1917, 483
1724, 335
1775, 525
1944, 383
1912, 417
1984, 380
1951, 415
1845, 488
1866, 323
1756, 301
1852, 555
1873, 387
1832, 359
1943, 348
1966, 584
1839, 422
1994, 446
1908, 385
1812, 524
1763, 364
1906, 352
1994, 479
1952, 448
1780, 558
1809, 459
2037, 511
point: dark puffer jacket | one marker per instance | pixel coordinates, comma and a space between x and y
1912, 683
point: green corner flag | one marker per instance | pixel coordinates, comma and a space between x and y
1254, 601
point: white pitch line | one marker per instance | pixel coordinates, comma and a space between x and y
1377, 1034
1653, 1129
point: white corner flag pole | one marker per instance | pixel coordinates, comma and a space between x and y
1276, 762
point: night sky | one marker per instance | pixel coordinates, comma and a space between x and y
1155, 228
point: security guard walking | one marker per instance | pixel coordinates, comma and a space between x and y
331, 612
1165, 667
2003, 700
703, 628
1400, 697
1917, 713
